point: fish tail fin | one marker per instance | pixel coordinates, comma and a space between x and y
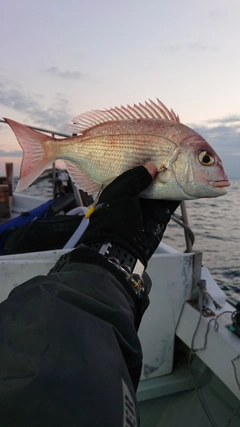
36, 158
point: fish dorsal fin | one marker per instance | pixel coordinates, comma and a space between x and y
80, 179
150, 110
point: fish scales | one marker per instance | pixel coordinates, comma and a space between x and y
105, 153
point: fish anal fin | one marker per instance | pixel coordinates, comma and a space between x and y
81, 180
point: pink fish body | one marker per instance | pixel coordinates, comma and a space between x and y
112, 141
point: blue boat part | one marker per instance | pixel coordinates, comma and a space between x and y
7, 227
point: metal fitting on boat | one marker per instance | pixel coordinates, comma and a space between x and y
202, 298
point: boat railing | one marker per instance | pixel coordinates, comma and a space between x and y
183, 222
53, 133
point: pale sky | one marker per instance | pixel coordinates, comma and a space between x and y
60, 58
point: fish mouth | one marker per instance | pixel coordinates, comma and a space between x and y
220, 184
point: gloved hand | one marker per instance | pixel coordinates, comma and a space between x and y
156, 214
133, 223
134, 226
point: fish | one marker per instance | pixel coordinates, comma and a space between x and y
106, 143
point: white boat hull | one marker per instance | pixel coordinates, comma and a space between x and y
170, 315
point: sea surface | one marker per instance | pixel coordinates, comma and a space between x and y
215, 223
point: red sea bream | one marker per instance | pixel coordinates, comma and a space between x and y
109, 142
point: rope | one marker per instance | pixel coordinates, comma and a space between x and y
178, 219
194, 351
233, 415
235, 370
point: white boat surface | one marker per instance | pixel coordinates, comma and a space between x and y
191, 364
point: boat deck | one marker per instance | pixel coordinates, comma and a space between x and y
184, 408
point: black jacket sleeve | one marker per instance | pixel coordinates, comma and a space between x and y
69, 350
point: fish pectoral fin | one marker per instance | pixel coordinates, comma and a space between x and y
173, 158
165, 175
163, 168
81, 180
167, 164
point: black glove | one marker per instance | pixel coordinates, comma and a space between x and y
156, 214
130, 223
121, 217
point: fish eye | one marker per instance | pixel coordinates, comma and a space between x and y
206, 158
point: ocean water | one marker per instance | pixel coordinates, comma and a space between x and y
215, 223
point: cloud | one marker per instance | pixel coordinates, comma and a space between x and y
228, 120
55, 116
173, 47
222, 133
69, 75
14, 153
215, 14
15, 99
192, 46
200, 46
224, 136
